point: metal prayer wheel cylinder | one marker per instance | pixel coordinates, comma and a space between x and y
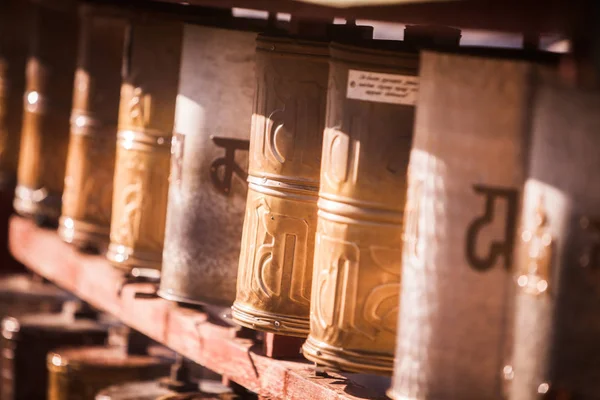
13, 56
80, 373
22, 294
367, 140
87, 197
26, 342
45, 130
465, 180
275, 268
209, 163
146, 116
556, 275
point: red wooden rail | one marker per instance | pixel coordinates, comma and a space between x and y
186, 331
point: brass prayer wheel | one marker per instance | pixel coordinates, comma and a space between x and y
356, 277
45, 131
80, 373
465, 180
27, 340
13, 55
209, 163
556, 275
275, 267
146, 116
87, 197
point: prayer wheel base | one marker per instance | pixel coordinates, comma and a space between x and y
83, 235
126, 259
268, 322
336, 359
394, 396
182, 300
37, 204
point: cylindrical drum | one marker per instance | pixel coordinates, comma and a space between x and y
80, 373
146, 116
466, 172
275, 267
356, 278
22, 294
87, 197
45, 132
209, 162
27, 340
14, 23
556, 344
154, 390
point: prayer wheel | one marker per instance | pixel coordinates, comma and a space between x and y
23, 294
48, 94
368, 135
275, 267
87, 197
209, 158
465, 179
146, 116
27, 340
80, 373
557, 278
179, 383
13, 56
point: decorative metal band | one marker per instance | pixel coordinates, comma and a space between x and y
281, 189
349, 213
84, 124
347, 360
270, 322
35, 102
138, 140
82, 233
36, 202
124, 257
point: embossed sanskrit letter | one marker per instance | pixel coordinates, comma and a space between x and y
228, 161
497, 249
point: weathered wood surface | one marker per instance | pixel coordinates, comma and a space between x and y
186, 331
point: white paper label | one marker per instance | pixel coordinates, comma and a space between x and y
382, 88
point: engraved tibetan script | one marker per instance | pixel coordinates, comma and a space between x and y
228, 162
497, 248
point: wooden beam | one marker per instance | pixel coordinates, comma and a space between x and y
187, 331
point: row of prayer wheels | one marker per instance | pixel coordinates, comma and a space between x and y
412, 195
54, 347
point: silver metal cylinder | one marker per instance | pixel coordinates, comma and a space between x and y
556, 344
209, 163
465, 180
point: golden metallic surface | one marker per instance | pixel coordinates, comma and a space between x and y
45, 130
13, 55
209, 164
356, 279
27, 339
87, 197
275, 269
146, 116
80, 373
